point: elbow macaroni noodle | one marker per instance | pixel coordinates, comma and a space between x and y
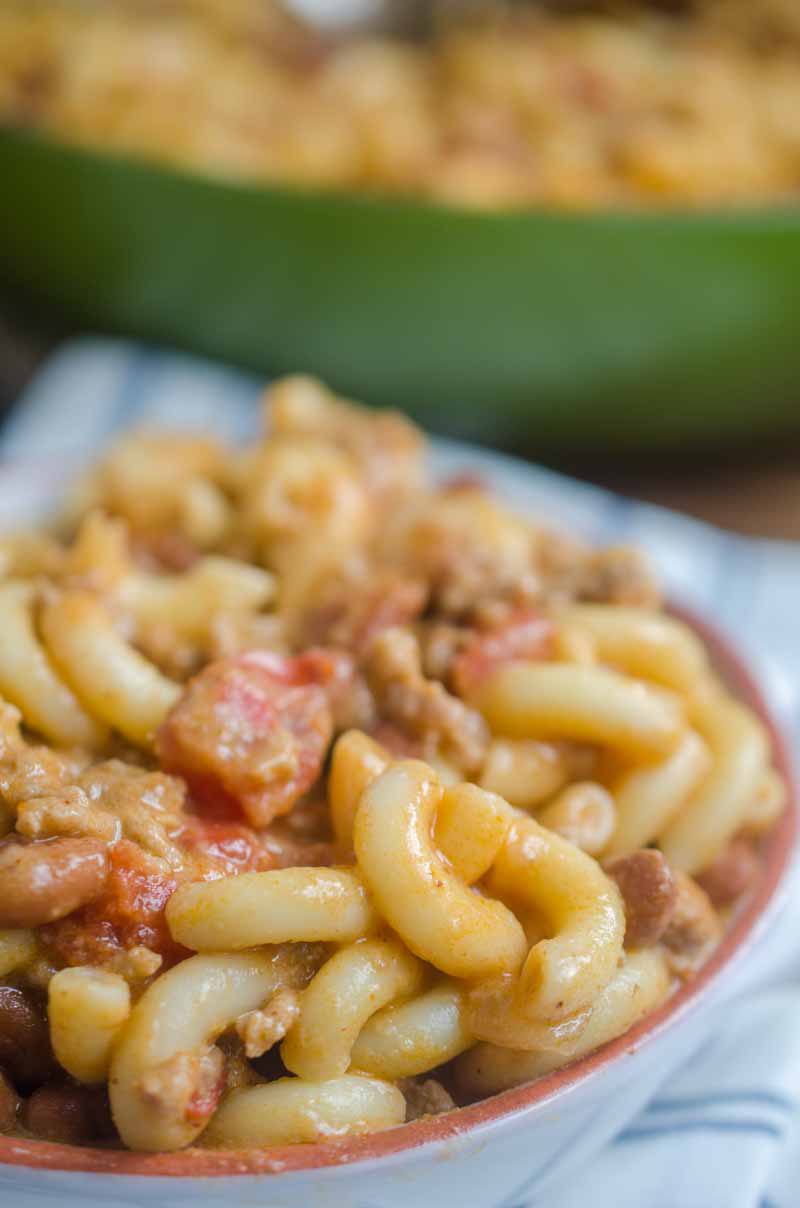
427, 904
87, 1008
648, 797
271, 908
291, 1110
412, 1037
525, 772
585, 813
183, 1011
113, 681
739, 755
643, 644
459, 891
29, 680
638, 986
591, 704
349, 988
357, 760
186, 603
471, 827
562, 975
470, 823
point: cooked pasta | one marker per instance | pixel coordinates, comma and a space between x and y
271, 908
29, 680
350, 987
415, 1036
113, 680
292, 1110
639, 985
86, 1008
360, 777
571, 106
427, 904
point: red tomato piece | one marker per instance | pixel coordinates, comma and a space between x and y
228, 847
526, 634
129, 913
250, 733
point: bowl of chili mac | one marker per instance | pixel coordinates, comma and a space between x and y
355, 828
589, 218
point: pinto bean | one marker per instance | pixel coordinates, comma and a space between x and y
58, 1112
42, 882
24, 1038
9, 1105
694, 929
100, 1108
649, 892
735, 869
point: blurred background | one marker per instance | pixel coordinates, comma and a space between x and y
567, 229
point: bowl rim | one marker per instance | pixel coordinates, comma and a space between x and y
402, 206
206, 1163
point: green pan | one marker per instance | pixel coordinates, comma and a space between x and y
532, 330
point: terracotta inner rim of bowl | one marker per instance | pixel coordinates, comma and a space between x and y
204, 1163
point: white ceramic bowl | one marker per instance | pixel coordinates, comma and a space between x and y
494, 1154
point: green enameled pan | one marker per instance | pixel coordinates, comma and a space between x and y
527, 329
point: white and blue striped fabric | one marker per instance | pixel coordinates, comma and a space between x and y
725, 1132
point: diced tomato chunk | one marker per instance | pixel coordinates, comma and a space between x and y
129, 913
228, 847
526, 634
250, 732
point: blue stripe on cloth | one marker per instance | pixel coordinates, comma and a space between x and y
675, 1103
642, 1132
650, 1130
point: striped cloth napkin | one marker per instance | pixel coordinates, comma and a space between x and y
725, 1131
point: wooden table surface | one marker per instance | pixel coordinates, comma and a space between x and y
753, 492
757, 494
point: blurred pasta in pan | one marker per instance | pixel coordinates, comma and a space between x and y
359, 780
572, 106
